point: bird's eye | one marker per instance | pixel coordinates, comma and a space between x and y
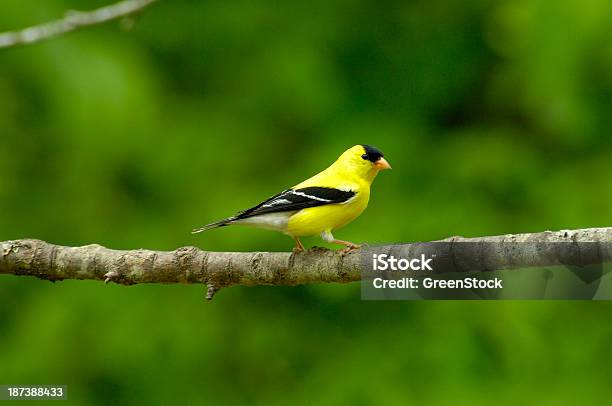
365, 156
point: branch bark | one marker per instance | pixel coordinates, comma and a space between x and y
72, 21
222, 269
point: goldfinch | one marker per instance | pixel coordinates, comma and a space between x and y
319, 205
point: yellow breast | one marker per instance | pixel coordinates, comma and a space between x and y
330, 217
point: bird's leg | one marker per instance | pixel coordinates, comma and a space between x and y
299, 247
328, 237
349, 246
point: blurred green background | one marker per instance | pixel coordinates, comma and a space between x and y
494, 115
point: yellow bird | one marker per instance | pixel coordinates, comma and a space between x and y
319, 205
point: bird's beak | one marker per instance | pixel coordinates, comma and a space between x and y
382, 164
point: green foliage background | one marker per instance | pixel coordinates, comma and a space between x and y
494, 115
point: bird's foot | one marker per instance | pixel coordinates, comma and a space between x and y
297, 250
109, 276
349, 247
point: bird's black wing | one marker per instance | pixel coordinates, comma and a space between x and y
298, 199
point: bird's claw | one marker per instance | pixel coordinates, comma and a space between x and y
109, 276
349, 248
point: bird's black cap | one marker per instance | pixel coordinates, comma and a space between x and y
372, 154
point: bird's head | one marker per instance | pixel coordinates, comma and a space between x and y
364, 161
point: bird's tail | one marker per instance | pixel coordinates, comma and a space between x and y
216, 224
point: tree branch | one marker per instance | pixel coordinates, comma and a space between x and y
72, 21
221, 269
